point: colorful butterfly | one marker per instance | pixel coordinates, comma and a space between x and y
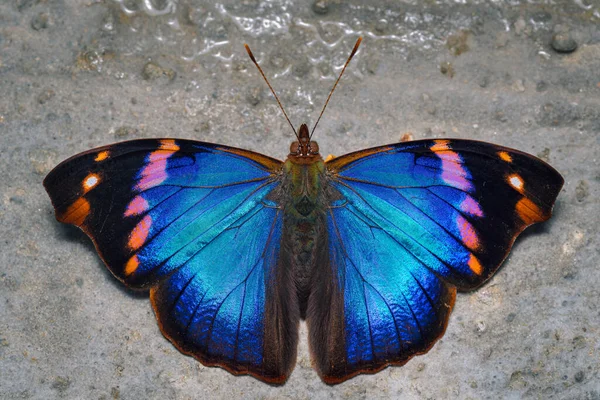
237, 247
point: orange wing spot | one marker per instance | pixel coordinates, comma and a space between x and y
505, 156
529, 212
440, 145
516, 182
474, 265
103, 155
90, 182
76, 213
140, 233
131, 265
169, 144
329, 157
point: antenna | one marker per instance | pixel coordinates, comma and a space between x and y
270, 87
354, 50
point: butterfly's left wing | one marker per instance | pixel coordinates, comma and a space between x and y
407, 225
199, 225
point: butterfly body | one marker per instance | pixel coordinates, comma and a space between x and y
303, 197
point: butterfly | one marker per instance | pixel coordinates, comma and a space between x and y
236, 248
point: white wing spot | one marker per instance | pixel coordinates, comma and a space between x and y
91, 181
516, 181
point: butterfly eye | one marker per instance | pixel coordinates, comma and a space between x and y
314, 148
295, 148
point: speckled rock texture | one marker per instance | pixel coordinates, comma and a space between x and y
82, 73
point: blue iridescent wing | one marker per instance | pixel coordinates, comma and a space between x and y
198, 225
408, 225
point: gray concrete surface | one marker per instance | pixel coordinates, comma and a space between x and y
77, 74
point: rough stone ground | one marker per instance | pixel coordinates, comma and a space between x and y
83, 73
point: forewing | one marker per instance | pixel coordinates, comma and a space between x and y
197, 224
410, 223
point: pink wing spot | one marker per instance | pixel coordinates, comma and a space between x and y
456, 181
516, 182
137, 206
150, 181
474, 265
467, 233
155, 171
155, 167
453, 172
471, 207
159, 156
140, 233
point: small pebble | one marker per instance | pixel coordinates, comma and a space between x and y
563, 42
518, 86
108, 23
278, 60
381, 26
125, 131
579, 376
544, 154
501, 39
301, 69
541, 86
320, 7
372, 64
153, 71
407, 137
25, 4
254, 95
581, 191
458, 43
89, 60
195, 15
45, 96
40, 21
541, 16
480, 327
447, 69
520, 26
484, 81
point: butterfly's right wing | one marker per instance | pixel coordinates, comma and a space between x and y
198, 224
407, 226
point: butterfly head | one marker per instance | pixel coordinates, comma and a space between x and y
304, 147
